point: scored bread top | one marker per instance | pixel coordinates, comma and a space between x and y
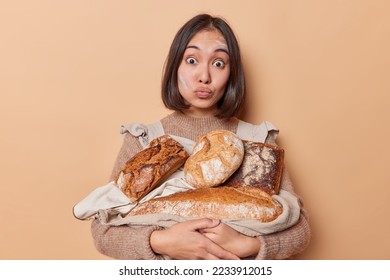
215, 157
151, 166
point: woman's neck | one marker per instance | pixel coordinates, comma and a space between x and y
191, 127
199, 112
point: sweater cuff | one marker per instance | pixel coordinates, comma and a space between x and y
268, 247
150, 254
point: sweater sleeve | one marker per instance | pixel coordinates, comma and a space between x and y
124, 242
292, 241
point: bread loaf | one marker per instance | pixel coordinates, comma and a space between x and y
150, 167
262, 168
218, 203
214, 159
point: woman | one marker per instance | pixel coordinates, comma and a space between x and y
204, 85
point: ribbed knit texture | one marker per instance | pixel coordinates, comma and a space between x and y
124, 242
192, 128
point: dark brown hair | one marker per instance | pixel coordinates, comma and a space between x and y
231, 102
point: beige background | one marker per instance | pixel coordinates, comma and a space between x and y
71, 72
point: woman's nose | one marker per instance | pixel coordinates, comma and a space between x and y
204, 74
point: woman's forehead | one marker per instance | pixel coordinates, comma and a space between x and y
207, 38
208, 35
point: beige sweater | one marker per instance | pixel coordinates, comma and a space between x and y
124, 242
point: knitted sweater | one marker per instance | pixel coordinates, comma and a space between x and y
124, 242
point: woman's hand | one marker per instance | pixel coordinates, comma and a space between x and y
184, 241
232, 241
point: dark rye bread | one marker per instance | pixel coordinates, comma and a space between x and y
151, 167
262, 168
219, 203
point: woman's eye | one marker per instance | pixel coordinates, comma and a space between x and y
219, 63
191, 60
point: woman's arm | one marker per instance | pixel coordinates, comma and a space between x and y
239, 244
292, 241
124, 242
185, 241
289, 242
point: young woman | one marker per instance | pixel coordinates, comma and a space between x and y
204, 85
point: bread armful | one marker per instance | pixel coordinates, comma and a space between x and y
245, 195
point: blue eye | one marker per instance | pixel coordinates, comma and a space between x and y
219, 64
191, 60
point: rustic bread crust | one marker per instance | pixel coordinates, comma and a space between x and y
262, 167
215, 157
219, 203
150, 167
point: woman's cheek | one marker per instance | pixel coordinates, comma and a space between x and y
183, 82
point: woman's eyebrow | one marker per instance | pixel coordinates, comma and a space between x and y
216, 50
193, 47
222, 50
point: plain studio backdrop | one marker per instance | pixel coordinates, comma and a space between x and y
72, 72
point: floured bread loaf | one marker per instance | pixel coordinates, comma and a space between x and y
150, 167
218, 203
262, 168
215, 157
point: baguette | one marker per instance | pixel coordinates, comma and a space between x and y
219, 203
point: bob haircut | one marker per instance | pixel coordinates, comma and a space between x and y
232, 100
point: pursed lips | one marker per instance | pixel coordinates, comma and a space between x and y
203, 92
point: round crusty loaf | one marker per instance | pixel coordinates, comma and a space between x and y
215, 157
